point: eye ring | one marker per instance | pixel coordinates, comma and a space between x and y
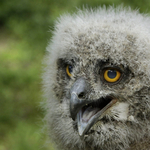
112, 75
69, 70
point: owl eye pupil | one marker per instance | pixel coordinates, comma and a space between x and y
70, 68
112, 74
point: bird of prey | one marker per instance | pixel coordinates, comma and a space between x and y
97, 80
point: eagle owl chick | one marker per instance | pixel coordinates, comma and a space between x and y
96, 80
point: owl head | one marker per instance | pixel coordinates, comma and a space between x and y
96, 80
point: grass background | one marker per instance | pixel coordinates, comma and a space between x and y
24, 33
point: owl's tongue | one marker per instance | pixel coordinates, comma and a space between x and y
88, 113
86, 119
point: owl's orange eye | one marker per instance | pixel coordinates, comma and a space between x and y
112, 75
69, 69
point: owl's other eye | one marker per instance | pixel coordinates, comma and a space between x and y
69, 69
112, 75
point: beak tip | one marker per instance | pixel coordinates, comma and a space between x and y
80, 131
81, 128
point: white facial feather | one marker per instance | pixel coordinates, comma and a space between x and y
120, 111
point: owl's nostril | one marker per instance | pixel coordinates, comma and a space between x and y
78, 93
81, 95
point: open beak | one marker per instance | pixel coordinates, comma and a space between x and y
86, 112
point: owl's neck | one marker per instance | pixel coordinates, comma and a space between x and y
143, 145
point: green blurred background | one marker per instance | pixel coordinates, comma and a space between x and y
24, 33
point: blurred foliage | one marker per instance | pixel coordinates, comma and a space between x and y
24, 33
25, 136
